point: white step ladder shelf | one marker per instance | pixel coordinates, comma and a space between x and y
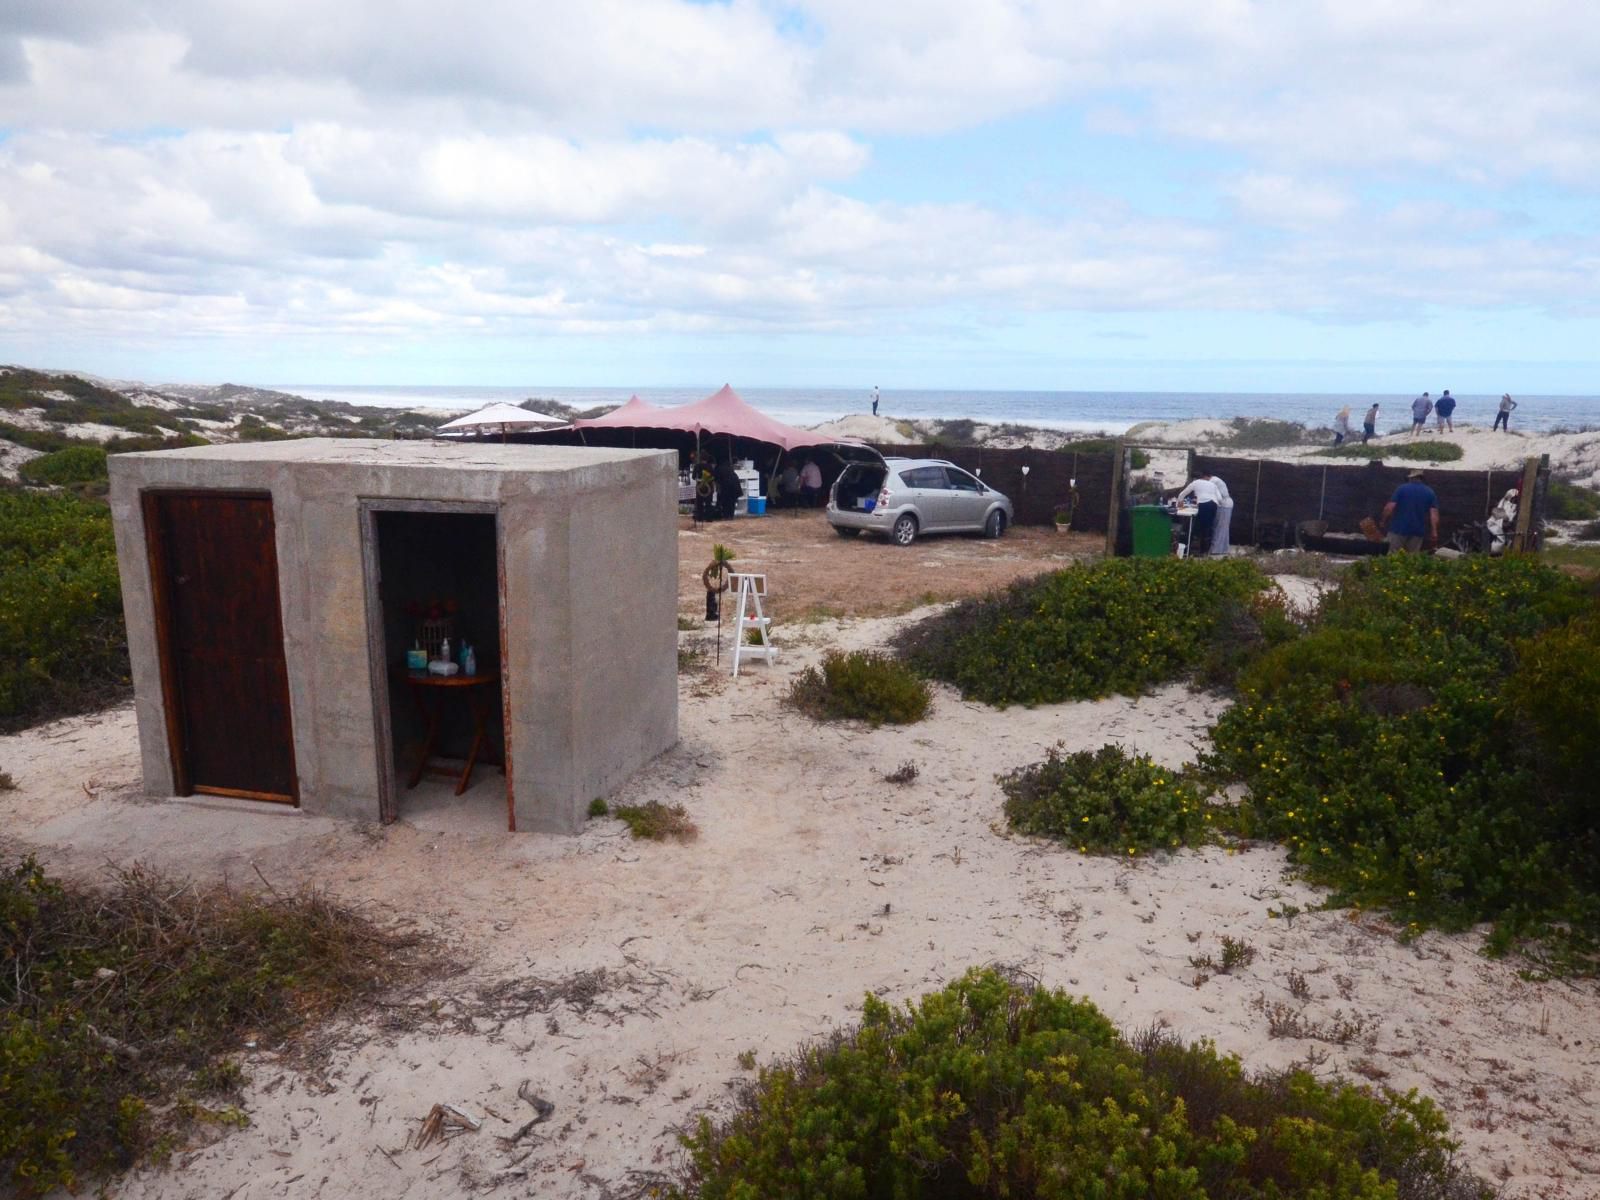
751, 590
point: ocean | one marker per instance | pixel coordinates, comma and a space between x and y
1111, 412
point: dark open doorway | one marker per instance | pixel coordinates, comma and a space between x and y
434, 574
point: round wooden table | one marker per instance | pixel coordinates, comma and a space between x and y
477, 690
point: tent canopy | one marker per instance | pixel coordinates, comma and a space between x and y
502, 417
633, 414
723, 412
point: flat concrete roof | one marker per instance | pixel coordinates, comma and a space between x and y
365, 452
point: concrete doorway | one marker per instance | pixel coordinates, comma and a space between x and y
433, 572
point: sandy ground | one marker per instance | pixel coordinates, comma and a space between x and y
812, 572
640, 972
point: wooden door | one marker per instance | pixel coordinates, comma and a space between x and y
214, 565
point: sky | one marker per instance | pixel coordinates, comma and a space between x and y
1360, 195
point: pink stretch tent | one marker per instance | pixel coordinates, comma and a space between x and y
721, 413
634, 414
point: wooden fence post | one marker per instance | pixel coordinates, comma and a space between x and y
1530, 481
1114, 517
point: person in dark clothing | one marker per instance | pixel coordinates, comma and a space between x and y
729, 489
1502, 419
1411, 515
1442, 411
1369, 427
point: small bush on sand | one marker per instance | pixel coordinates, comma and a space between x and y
990, 1089
1115, 626
656, 822
1564, 501
75, 464
1106, 801
119, 1007
1258, 433
1409, 451
861, 686
1137, 459
65, 650
1409, 749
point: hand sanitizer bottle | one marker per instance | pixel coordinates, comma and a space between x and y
469, 662
444, 651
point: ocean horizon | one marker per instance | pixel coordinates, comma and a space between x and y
1109, 412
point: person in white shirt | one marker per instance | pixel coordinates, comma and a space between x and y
1219, 539
1203, 490
810, 483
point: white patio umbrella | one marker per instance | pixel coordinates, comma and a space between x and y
499, 417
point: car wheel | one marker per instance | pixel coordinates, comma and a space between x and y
843, 532
995, 525
905, 530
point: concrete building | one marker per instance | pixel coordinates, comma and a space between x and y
273, 590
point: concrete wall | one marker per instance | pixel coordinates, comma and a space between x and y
589, 552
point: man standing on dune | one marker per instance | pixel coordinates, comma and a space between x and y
1502, 419
874, 399
1442, 411
1420, 408
1369, 427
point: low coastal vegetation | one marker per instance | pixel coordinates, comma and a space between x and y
1434, 452
60, 608
122, 1009
1429, 746
66, 467
992, 1087
1119, 626
1568, 501
1260, 433
1107, 801
862, 686
1426, 743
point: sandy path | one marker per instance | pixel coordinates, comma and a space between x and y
812, 882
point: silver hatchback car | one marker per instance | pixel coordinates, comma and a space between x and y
902, 498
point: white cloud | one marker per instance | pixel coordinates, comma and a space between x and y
591, 165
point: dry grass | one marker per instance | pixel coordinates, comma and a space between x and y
121, 1006
657, 822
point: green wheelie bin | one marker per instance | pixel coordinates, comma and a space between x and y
1152, 531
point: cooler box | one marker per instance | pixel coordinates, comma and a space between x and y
1152, 531
757, 505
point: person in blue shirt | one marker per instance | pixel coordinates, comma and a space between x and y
1411, 515
1442, 411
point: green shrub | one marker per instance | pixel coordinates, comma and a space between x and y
75, 464
1138, 459
1259, 433
1566, 501
990, 1089
862, 686
1410, 451
1106, 801
655, 821
1115, 626
1554, 674
60, 608
1383, 748
120, 1006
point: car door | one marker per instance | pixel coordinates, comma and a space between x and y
925, 487
967, 503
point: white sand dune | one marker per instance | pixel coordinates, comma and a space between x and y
813, 881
